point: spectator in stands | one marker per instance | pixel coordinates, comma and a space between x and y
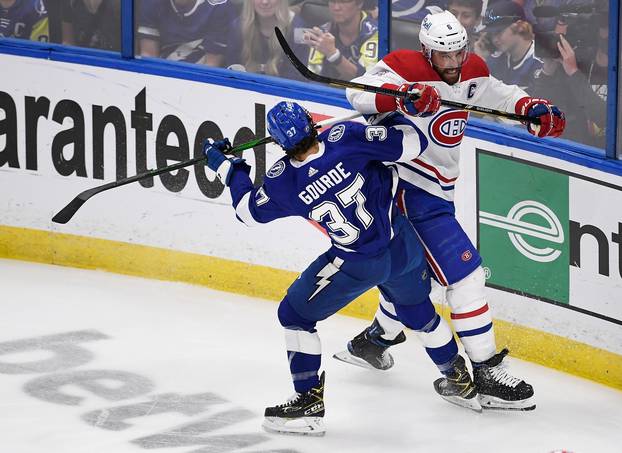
193, 31
346, 46
92, 23
514, 61
597, 67
468, 13
252, 44
561, 79
416, 10
597, 72
547, 21
371, 8
24, 19
296, 5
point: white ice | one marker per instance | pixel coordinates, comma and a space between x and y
182, 339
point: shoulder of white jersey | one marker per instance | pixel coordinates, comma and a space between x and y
473, 68
411, 65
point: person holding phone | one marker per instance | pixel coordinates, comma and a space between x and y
252, 44
561, 77
346, 46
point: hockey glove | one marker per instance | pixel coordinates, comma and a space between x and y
217, 161
552, 120
425, 100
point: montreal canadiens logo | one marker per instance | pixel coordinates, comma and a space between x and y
447, 129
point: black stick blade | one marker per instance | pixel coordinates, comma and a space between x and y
64, 215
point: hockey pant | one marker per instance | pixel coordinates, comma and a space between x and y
332, 281
455, 263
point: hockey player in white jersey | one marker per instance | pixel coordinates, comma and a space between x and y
444, 69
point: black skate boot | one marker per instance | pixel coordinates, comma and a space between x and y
457, 386
500, 390
369, 350
302, 414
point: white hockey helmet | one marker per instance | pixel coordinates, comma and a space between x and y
442, 32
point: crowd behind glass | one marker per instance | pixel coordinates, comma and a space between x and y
556, 49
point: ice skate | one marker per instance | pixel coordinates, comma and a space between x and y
457, 386
500, 390
369, 350
302, 414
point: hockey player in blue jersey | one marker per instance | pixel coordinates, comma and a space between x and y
338, 180
193, 31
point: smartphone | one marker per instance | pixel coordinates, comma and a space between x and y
300, 35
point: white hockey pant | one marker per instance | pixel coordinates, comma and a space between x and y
470, 315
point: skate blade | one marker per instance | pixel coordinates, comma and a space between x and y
491, 403
305, 426
346, 357
471, 403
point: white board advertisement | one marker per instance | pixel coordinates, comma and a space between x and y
65, 128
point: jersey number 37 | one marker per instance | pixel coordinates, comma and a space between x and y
341, 230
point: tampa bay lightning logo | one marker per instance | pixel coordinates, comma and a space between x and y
336, 133
276, 170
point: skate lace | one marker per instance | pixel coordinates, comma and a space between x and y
501, 375
291, 400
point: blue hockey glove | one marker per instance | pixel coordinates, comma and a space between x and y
217, 161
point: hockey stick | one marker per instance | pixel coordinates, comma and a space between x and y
307, 73
65, 214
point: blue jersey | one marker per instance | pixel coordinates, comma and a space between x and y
344, 187
521, 73
186, 36
26, 19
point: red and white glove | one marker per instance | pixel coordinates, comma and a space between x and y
552, 120
427, 103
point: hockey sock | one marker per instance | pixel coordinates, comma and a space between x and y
471, 316
304, 349
388, 320
304, 353
433, 332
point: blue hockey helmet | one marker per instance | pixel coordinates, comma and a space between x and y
289, 124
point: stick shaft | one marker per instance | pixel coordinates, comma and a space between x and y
65, 214
307, 73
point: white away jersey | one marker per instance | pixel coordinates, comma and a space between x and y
437, 169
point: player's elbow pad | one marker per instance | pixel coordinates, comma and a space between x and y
243, 211
351, 96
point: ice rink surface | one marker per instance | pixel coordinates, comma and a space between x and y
92, 362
